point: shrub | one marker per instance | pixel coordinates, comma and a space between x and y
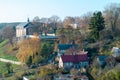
13, 78
19, 75
5, 74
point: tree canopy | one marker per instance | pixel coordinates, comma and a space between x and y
27, 48
96, 25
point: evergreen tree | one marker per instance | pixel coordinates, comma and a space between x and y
29, 61
96, 25
8, 67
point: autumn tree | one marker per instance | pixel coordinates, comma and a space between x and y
29, 47
96, 25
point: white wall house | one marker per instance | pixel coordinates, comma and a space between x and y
21, 30
74, 26
60, 63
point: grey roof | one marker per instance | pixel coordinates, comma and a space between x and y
22, 25
48, 37
102, 58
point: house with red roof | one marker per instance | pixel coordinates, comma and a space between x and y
73, 61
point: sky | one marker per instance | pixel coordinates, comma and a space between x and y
20, 10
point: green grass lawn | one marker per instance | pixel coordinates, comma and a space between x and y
16, 68
2, 67
9, 57
5, 53
3, 43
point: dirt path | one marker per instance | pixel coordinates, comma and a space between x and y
11, 61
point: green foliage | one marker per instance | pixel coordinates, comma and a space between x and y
9, 67
13, 78
47, 49
37, 58
113, 74
5, 74
29, 61
17, 76
3, 43
96, 25
105, 73
69, 34
47, 70
2, 67
13, 68
20, 74
94, 73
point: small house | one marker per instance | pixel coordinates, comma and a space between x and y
73, 61
116, 51
101, 60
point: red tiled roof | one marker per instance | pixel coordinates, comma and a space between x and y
74, 58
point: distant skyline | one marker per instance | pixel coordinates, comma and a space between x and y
20, 10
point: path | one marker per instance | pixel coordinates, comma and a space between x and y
10, 61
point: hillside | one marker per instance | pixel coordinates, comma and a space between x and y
7, 51
8, 24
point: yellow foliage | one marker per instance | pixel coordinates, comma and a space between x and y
28, 47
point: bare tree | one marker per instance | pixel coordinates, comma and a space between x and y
54, 20
85, 20
36, 19
68, 20
8, 33
44, 20
112, 15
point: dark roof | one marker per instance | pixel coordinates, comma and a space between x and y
74, 58
22, 25
66, 46
102, 58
